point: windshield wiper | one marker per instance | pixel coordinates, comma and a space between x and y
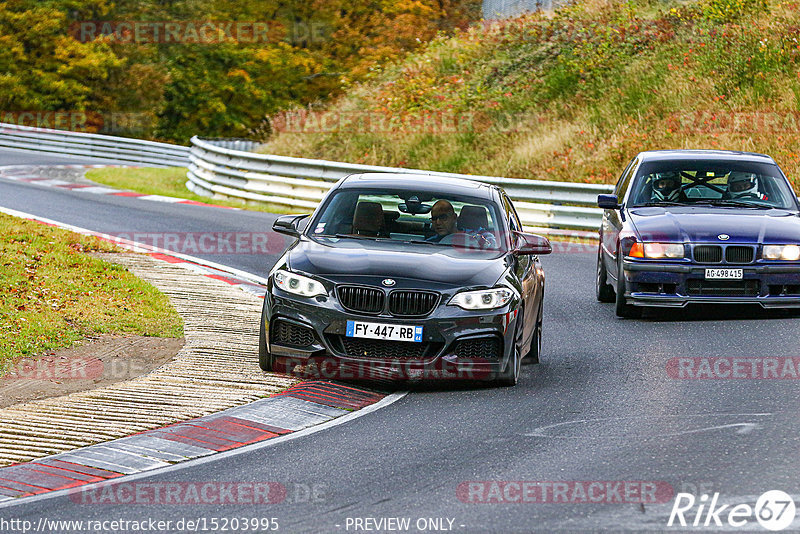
356, 236
736, 204
418, 242
660, 203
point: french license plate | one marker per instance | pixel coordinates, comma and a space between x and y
389, 332
724, 274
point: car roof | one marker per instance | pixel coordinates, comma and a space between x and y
428, 183
729, 155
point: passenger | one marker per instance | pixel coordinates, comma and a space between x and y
743, 185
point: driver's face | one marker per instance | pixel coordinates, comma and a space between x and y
443, 218
666, 184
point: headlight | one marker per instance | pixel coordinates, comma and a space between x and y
298, 285
657, 250
663, 250
781, 252
482, 300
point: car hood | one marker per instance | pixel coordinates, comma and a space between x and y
699, 224
418, 266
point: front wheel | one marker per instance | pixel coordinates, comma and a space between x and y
625, 310
536, 343
604, 291
265, 360
510, 376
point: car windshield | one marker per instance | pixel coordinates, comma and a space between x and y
713, 183
413, 218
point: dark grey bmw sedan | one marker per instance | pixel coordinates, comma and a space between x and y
405, 277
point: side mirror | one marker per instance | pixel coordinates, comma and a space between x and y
531, 244
287, 224
609, 202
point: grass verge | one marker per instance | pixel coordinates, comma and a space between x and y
169, 182
53, 294
573, 95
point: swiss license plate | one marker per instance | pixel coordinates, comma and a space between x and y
389, 332
724, 274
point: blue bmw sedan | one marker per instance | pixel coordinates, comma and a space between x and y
699, 226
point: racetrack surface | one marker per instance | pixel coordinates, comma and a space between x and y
601, 406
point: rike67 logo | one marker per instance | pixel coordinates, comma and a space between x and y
774, 510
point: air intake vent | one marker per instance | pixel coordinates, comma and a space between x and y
412, 303
723, 288
386, 350
490, 348
708, 254
361, 299
291, 335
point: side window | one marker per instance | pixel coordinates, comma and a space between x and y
513, 220
625, 179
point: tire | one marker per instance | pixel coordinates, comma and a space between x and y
265, 360
604, 291
510, 376
624, 310
536, 343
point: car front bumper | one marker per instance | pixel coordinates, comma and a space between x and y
678, 284
454, 346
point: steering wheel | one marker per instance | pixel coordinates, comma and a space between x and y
461, 238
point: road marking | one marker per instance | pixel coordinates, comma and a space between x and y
386, 401
743, 428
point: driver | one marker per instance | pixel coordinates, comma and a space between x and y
666, 186
443, 220
744, 185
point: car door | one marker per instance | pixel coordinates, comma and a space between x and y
526, 272
611, 225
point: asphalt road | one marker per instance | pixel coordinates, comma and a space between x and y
601, 407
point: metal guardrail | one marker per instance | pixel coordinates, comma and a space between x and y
301, 183
225, 167
93, 145
500, 9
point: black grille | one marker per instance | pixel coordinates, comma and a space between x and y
723, 288
412, 303
291, 335
708, 254
376, 348
490, 348
361, 299
736, 254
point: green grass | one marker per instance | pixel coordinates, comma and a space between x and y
169, 182
53, 294
574, 95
